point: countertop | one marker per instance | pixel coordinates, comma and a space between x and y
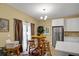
68, 47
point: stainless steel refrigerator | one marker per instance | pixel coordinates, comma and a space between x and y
57, 34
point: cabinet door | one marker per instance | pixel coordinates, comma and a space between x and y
72, 24
58, 22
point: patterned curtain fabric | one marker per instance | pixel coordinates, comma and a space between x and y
32, 29
18, 31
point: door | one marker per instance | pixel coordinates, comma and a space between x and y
26, 35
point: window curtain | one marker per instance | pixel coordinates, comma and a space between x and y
32, 29
18, 31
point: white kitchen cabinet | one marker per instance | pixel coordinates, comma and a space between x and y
58, 22
71, 24
67, 48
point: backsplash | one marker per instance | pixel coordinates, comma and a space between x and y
71, 33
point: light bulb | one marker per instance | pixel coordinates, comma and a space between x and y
41, 17
45, 17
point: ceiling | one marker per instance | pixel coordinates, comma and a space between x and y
53, 10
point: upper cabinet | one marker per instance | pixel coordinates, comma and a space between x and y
58, 22
71, 24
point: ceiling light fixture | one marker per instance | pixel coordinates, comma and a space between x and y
41, 17
44, 15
